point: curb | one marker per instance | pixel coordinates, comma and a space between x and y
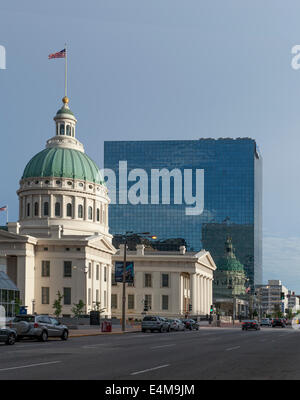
100, 334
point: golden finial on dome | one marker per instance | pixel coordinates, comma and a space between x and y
65, 100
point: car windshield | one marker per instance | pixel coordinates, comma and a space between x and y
148, 318
27, 318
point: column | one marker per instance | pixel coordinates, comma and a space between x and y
193, 292
109, 290
199, 293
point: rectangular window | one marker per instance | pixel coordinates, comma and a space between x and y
105, 274
130, 301
97, 272
45, 295
105, 299
165, 280
165, 302
89, 297
97, 295
148, 301
45, 268
67, 269
148, 280
114, 301
90, 270
67, 296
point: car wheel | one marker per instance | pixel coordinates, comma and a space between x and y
43, 337
11, 339
162, 329
65, 335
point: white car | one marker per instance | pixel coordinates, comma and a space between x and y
176, 325
265, 322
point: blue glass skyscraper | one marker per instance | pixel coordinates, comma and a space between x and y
225, 176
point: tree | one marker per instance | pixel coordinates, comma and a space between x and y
57, 306
97, 307
78, 309
277, 311
18, 304
290, 313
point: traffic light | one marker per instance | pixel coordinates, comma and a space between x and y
211, 308
282, 296
190, 307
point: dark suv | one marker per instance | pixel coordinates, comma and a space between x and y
191, 324
278, 322
250, 324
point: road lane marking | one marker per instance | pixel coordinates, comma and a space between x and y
232, 348
92, 346
165, 345
150, 369
29, 366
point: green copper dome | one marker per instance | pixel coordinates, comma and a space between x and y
63, 162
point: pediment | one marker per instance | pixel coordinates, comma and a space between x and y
102, 244
14, 237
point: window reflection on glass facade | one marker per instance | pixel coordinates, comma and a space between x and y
232, 195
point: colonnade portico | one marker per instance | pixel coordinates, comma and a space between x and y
201, 293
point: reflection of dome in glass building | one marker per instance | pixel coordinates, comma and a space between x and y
229, 262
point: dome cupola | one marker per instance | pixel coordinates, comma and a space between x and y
62, 186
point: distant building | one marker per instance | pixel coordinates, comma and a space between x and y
293, 302
170, 283
271, 298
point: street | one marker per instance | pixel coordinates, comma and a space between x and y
210, 353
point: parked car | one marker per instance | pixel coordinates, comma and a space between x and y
191, 324
265, 322
154, 323
8, 336
39, 326
176, 325
278, 322
250, 324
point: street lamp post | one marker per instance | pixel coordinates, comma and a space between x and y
147, 234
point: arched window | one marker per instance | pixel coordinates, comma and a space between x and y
90, 213
98, 214
80, 211
28, 209
46, 208
68, 130
36, 209
62, 129
69, 210
73, 131
57, 209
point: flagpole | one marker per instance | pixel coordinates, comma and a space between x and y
66, 71
6, 215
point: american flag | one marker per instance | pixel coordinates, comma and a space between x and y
4, 208
60, 54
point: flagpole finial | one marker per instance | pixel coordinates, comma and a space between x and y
65, 100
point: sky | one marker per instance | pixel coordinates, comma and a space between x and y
160, 69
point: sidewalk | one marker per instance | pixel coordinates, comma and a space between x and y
96, 331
